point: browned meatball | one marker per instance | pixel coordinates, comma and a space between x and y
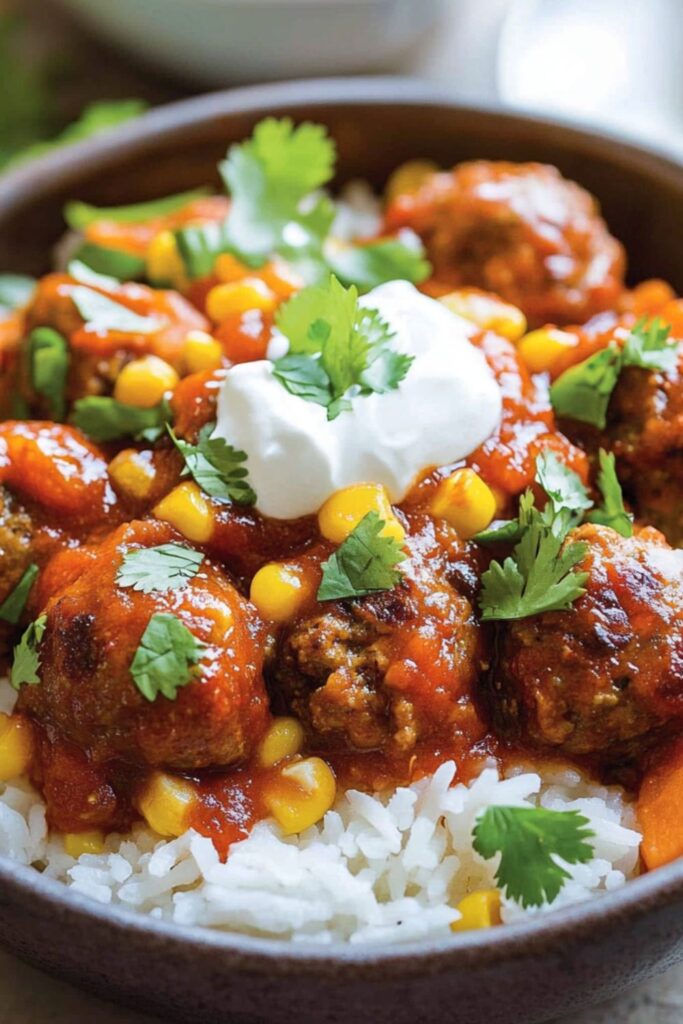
606, 676
87, 693
388, 669
520, 230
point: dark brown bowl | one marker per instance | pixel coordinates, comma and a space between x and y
524, 972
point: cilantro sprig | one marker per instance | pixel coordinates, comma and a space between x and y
365, 563
166, 658
164, 567
612, 512
103, 419
13, 606
530, 840
26, 661
583, 391
337, 348
48, 360
217, 467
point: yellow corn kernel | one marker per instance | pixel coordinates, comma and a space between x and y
541, 349
239, 297
343, 511
144, 382
133, 473
201, 352
186, 508
281, 279
478, 910
166, 802
164, 262
228, 268
284, 738
464, 501
301, 795
487, 311
16, 746
76, 843
408, 178
279, 590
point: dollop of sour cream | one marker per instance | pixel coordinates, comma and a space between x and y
446, 406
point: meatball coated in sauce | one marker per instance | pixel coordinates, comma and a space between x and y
605, 677
521, 231
387, 670
87, 694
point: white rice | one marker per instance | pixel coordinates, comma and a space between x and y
386, 868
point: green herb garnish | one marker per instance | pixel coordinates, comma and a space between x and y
84, 274
26, 656
612, 512
48, 359
166, 658
105, 419
12, 607
374, 263
216, 467
529, 839
113, 263
80, 216
365, 563
164, 567
102, 314
16, 291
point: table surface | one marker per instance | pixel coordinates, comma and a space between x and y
26, 995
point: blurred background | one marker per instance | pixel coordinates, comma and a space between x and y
74, 67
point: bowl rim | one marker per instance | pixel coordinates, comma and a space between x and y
638, 897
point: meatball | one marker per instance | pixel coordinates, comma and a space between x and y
520, 230
87, 694
389, 669
604, 677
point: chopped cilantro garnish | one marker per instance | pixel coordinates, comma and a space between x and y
216, 466
563, 486
364, 563
13, 606
371, 264
164, 567
337, 348
102, 314
106, 419
529, 841
166, 658
80, 215
26, 656
114, 263
583, 391
48, 359
612, 512
15, 291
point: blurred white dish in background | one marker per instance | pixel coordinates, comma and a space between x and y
614, 63
219, 42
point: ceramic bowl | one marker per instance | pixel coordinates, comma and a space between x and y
521, 973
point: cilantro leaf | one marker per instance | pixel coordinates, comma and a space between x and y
166, 657
529, 839
612, 512
48, 358
216, 467
371, 264
26, 656
103, 314
164, 567
563, 486
511, 531
114, 263
13, 606
364, 563
15, 291
80, 215
337, 348
649, 347
106, 419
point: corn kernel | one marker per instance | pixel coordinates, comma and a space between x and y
228, 268
76, 843
464, 501
188, 511
201, 352
541, 349
281, 279
301, 795
279, 590
343, 511
478, 910
239, 297
133, 473
166, 802
487, 311
164, 262
284, 738
409, 177
16, 746
144, 382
